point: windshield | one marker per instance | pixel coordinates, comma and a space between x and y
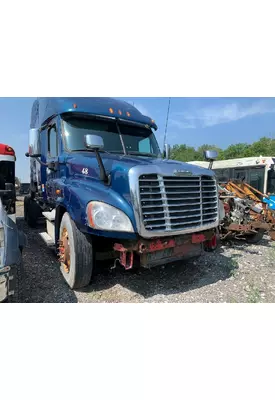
136, 140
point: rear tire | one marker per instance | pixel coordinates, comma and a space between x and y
32, 211
81, 255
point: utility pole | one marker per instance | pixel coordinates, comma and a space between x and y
165, 132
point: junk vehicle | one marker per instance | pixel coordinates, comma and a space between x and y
258, 172
24, 188
12, 240
106, 191
247, 214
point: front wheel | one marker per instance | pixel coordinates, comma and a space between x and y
76, 254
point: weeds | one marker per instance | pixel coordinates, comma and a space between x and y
254, 295
233, 268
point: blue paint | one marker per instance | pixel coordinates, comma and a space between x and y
78, 189
45, 109
270, 202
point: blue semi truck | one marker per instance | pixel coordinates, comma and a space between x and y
106, 191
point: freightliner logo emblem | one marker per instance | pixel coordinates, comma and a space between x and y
182, 172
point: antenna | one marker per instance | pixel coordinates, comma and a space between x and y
165, 133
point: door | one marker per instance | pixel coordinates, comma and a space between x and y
52, 158
240, 174
256, 178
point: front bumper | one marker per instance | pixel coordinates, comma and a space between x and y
161, 251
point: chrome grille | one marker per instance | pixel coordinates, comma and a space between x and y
171, 203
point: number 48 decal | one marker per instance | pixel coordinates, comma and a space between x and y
85, 171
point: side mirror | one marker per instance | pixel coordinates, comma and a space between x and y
210, 155
167, 151
32, 155
34, 143
94, 142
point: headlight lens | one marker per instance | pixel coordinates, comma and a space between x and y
105, 217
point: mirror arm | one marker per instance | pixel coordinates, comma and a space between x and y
49, 165
103, 175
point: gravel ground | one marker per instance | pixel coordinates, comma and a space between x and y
235, 273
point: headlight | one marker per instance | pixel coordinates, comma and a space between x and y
108, 218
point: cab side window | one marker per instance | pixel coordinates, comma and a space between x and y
52, 142
145, 146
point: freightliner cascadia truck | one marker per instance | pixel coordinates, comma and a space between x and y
105, 190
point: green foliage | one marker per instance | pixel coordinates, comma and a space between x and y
263, 147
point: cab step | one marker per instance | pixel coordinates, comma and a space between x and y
47, 239
49, 215
50, 218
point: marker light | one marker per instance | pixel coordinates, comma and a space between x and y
128, 114
111, 110
9, 150
120, 112
74, 105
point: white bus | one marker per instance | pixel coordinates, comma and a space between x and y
256, 171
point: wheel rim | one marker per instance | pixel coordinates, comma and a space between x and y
64, 251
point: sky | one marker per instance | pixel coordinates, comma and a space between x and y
193, 121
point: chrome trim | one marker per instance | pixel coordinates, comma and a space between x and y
166, 169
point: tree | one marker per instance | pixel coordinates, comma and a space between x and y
263, 147
236, 151
184, 153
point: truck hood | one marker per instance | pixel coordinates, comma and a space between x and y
83, 170
122, 164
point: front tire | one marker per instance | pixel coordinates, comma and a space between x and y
76, 252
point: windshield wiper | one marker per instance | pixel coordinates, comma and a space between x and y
138, 153
100, 151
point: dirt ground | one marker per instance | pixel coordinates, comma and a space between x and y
235, 273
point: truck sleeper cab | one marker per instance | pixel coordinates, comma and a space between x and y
98, 177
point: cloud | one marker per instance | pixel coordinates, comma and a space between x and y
215, 115
182, 124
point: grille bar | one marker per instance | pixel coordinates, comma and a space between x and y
171, 204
